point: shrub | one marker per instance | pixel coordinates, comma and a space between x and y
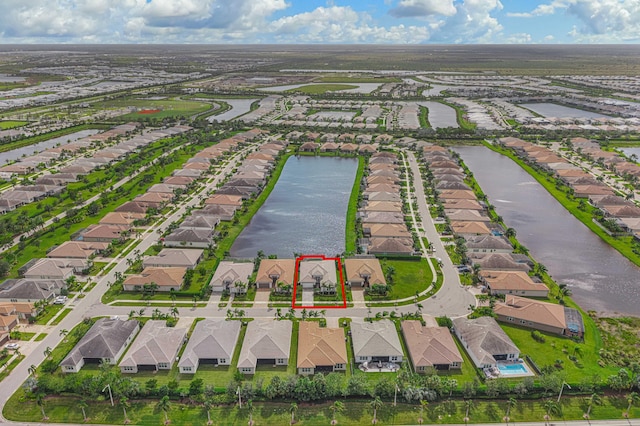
537, 336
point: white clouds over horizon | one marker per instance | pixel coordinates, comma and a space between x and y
336, 21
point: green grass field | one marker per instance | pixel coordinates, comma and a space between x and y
169, 108
11, 124
410, 277
350, 230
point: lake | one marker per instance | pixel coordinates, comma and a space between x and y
238, 107
440, 115
600, 278
17, 153
547, 109
306, 211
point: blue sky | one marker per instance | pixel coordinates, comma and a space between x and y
320, 21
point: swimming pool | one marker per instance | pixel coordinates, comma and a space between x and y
513, 369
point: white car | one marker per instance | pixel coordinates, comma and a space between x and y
60, 300
13, 346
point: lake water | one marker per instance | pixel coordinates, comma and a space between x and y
238, 107
361, 87
600, 278
560, 111
15, 154
630, 151
306, 211
440, 115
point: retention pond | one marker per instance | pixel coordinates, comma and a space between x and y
600, 278
306, 211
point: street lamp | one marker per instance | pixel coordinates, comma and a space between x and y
110, 395
562, 388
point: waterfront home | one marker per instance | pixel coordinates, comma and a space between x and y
382, 206
457, 194
187, 237
498, 262
167, 258
212, 342
348, 148
30, 290
308, 147
266, 342
512, 282
104, 343
319, 275
463, 215
77, 250
539, 315
487, 244
155, 348
224, 212
383, 179
375, 341
390, 246
165, 279
385, 230
329, 147
382, 196
463, 229
207, 222
364, 272
272, 272
320, 349
232, 276
430, 348
224, 200
485, 342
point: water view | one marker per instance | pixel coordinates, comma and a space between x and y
440, 115
306, 211
15, 154
558, 111
600, 278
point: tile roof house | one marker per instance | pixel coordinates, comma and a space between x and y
155, 348
485, 342
430, 348
28, 290
318, 274
273, 271
386, 245
121, 218
364, 272
77, 250
103, 233
224, 200
497, 262
8, 323
470, 228
540, 315
386, 230
22, 310
54, 269
212, 342
224, 212
266, 342
375, 341
185, 258
228, 274
186, 237
488, 244
166, 279
105, 342
320, 349
512, 282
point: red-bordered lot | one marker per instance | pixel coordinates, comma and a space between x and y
295, 283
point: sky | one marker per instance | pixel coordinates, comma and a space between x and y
320, 21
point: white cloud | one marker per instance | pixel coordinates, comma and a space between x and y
540, 10
423, 8
519, 38
472, 23
338, 24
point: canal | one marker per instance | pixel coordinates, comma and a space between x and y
600, 278
306, 211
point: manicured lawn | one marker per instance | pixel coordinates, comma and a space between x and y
411, 276
168, 108
560, 348
4, 125
60, 317
350, 233
40, 337
48, 313
318, 89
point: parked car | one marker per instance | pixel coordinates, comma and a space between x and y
60, 300
12, 346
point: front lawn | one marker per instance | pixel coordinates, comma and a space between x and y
410, 277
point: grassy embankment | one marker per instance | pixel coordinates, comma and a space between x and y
11, 124
319, 89
46, 136
424, 118
350, 233
460, 115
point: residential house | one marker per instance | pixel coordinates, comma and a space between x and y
470, 228
375, 341
497, 262
390, 246
231, 276
77, 250
266, 342
224, 212
512, 282
364, 272
22, 310
155, 348
166, 279
319, 275
104, 343
8, 323
485, 342
275, 271
121, 218
224, 200
186, 237
167, 258
320, 349
104, 233
212, 342
488, 244
430, 348
54, 269
539, 315
29, 290
385, 230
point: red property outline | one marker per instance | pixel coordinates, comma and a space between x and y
295, 283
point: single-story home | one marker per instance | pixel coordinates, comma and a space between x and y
155, 348
77, 250
390, 246
430, 348
274, 271
375, 341
318, 274
54, 269
266, 342
184, 258
103, 233
485, 342
166, 279
22, 310
512, 282
228, 274
212, 342
488, 244
105, 342
29, 290
364, 272
320, 349
186, 237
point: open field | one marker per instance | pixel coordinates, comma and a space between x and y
156, 109
318, 89
11, 124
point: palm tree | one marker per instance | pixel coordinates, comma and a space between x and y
511, 402
423, 405
47, 352
632, 398
40, 401
550, 407
293, 408
83, 405
376, 404
174, 312
63, 333
165, 406
32, 370
468, 406
337, 407
132, 314
563, 291
208, 404
250, 408
594, 399
124, 401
